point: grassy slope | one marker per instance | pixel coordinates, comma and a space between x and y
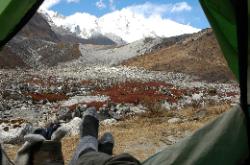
200, 56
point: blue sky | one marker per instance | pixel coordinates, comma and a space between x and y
193, 15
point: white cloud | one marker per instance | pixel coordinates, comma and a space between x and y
100, 4
47, 4
112, 5
131, 23
149, 8
182, 6
73, 1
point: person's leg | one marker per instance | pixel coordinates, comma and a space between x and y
88, 134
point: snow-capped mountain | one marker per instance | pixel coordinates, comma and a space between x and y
119, 26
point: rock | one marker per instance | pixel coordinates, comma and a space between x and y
7, 115
12, 94
64, 114
79, 111
137, 109
14, 135
197, 97
109, 122
1, 107
104, 114
73, 127
59, 88
120, 111
166, 106
123, 110
174, 121
23, 108
172, 139
187, 100
6, 129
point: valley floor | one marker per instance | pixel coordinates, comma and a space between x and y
145, 110
147, 134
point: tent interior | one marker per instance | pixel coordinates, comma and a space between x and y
222, 141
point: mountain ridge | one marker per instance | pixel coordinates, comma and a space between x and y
198, 55
123, 25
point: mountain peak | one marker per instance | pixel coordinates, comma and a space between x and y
124, 24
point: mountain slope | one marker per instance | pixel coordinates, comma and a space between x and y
8, 59
36, 45
121, 25
67, 34
38, 28
197, 55
115, 55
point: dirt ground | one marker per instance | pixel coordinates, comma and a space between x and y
146, 134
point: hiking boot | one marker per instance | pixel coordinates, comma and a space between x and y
106, 143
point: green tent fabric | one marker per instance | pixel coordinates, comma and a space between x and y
221, 15
14, 14
223, 141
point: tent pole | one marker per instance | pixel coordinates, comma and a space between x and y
22, 22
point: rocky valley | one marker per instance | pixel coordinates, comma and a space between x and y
47, 76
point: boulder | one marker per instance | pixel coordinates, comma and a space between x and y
109, 122
166, 105
12, 134
120, 111
1, 107
137, 109
197, 97
174, 120
64, 114
73, 127
104, 114
172, 139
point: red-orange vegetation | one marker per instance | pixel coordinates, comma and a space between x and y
73, 107
139, 92
178, 93
86, 82
230, 94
